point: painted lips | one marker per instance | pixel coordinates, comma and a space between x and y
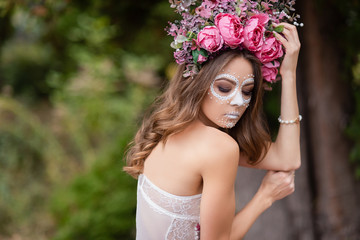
233, 115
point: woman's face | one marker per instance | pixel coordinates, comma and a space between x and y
229, 94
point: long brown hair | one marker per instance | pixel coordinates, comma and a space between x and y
180, 104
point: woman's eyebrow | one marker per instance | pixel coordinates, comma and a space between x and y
227, 79
248, 84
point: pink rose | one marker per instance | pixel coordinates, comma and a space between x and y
209, 38
262, 17
270, 71
271, 50
230, 29
254, 32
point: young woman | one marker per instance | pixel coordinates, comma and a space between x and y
186, 152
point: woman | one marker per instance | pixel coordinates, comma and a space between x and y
205, 124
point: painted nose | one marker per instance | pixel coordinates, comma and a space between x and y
237, 100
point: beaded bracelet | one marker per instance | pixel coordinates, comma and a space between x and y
296, 120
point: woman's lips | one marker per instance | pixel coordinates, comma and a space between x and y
233, 115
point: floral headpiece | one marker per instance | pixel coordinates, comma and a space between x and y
211, 26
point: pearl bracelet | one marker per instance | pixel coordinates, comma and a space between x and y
296, 120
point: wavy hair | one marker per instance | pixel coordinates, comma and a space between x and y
180, 104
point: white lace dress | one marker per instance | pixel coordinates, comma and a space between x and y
161, 215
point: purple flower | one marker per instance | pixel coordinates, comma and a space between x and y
205, 9
180, 56
172, 30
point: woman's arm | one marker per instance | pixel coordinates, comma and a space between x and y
288, 139
217, 207
217, 210
275, 186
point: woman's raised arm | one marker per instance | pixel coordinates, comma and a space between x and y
284, 153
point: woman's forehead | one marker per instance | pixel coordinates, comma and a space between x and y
238, 70
238, 67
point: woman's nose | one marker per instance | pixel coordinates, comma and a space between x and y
237, 100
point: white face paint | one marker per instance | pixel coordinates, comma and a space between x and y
225, 88
229, 94
232, 95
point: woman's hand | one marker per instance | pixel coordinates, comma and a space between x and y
277, 185
290, 41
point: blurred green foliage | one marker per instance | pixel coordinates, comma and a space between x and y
75, 78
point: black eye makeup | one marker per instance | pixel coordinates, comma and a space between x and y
224, 89
247, 90
247, 93
224, 86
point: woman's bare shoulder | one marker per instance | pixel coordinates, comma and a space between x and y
218, 147
215, 136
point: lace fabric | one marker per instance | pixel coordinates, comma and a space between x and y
161, 215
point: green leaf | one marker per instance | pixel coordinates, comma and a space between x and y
196, 53
204, 52
181, 39
279, 29
191, 35
176, 45
238, 11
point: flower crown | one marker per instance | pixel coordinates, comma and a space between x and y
212, 26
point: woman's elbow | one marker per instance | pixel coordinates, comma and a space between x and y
297, 165
297, 161
294, 164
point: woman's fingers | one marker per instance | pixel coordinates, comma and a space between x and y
277, 185
285, 25
290, 32
282, 39
290, 40
287, 183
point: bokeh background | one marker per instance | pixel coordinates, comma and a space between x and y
75, 79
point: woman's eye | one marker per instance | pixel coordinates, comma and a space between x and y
224, 89
247, 93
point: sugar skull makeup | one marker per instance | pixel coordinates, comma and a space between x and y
229, 91
229, 94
